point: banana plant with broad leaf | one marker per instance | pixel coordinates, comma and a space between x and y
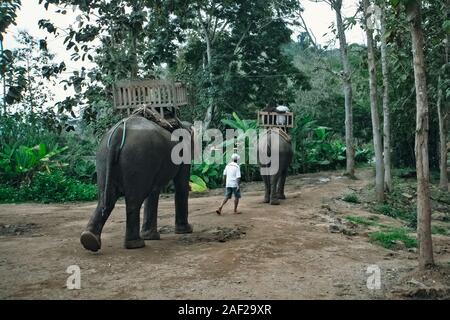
197, 184
20, 163
250, 170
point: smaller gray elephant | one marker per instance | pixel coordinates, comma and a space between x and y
274, 183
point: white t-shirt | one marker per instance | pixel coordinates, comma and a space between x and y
233, 172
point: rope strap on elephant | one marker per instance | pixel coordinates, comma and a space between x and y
124, 123
169, 124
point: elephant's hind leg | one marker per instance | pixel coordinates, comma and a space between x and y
133, 239
181, 183
91, 237
273, 192
266, 180
150, 225
281, 184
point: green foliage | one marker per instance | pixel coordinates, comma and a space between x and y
238, 124
29, 70
398, 211
434, 14
19, 163
79, 159
351, 198
390, 238
33, 166
211, 174
197, 184
364, 154
250, 172
325, 101
400, 202
317, 148
49, 187
251, 61
8, 14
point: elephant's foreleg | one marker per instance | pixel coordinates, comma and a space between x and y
273, 189
150, 225
132, 237
281, 184
181, 183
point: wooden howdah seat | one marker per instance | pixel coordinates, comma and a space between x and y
275, 119
159, 95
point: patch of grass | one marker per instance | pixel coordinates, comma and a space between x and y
361, 221
383, 208
398, 211
392, 211
400, 203
351, 198
439, 230
388, 238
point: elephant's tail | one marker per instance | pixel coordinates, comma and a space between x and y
112, 158
269, 143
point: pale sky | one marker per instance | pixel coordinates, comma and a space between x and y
318, 17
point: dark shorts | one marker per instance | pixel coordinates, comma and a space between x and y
229, 191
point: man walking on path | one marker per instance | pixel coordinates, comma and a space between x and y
232, 179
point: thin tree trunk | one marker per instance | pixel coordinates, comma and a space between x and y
3, 76
134, 65
30, 91
443, 113
386, 111
377, 144
348, 93
210, 111
421, 148
443, 128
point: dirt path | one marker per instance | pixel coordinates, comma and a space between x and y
268, 252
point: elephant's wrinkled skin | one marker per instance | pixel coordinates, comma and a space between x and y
274, 184
138, 171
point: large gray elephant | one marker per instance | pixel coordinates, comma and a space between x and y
274, 183
134, 160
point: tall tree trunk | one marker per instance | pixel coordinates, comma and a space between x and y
377, 144
30, 91
348, 92
134, 35
413, 11
443, 113
386, 108
134, 64
210, 111
3, 76
443, 129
